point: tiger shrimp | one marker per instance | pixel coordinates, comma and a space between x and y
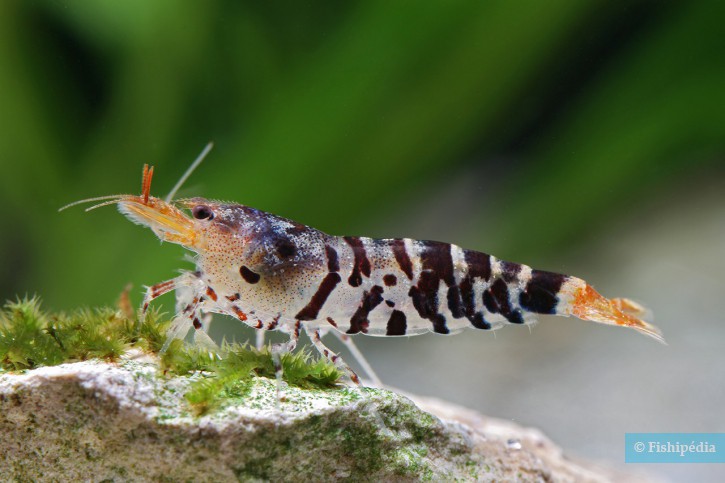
274, 274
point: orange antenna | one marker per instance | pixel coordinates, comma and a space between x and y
146, 183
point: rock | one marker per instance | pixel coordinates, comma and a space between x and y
97, 421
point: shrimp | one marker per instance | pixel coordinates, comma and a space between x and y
274, 274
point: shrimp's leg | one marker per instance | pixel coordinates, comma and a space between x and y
201, 324
316, 339
259, 343
186, 279
188, 310
359, 357
180, 326
153, 292
278, 349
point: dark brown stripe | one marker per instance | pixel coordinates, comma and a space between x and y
390, 303
332, 322
359, 321
248, 275
439, 324
326, 287
479, 322
273, 325
425, 300
509, 270
490, 303
436, 257
233, 298
425, 294
397, 323
316, 337
361, 265
515, 317
479, 264
455, 302
239, 313
197, 323
390, 280
541, 293
468, 296
161, 288
211, 293
401, 256
496, 300
333, 264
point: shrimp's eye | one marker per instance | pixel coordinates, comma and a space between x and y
202, 212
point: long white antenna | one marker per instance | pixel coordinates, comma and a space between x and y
191, 169
88, 200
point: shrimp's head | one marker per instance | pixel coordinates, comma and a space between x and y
167, 221
164, 218
218, 232
208, 226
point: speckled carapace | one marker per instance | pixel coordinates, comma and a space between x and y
275, 274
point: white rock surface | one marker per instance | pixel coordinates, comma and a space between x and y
95, 421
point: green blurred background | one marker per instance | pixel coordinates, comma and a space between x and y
354, 117
525, 129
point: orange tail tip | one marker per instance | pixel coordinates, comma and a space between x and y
629, 306
590, 305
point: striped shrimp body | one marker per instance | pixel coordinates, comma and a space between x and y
275, 274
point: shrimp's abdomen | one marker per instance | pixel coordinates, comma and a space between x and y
399, 287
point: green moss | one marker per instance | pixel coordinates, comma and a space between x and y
30, 337
231, 370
